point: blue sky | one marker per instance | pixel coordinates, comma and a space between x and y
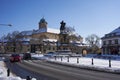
87, 16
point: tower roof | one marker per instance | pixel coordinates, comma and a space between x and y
43, 20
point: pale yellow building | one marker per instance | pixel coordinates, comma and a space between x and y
46, 39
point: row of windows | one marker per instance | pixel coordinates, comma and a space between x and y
51, 48
110, 35
110, 42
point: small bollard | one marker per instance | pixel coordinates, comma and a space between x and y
8, 72
68, 59
28, 78
77, 60
109, 62
92, 62
61, 58
55, 58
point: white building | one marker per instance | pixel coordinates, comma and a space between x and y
111, 42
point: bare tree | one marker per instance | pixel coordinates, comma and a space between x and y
72, 35
2, 46
94, 42
70, 30
13, 39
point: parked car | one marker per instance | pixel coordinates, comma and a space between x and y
15, 58
26, 56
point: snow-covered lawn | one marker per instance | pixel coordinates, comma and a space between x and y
85, 62
88, 61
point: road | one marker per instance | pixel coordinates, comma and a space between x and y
60, 72
23, 72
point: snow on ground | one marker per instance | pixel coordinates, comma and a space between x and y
3, 72
82, 62
38, 56
86, 62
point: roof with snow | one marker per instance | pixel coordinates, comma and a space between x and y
27, 33
41, 30
117, 31
114, 33
50, 30
50, 40
25, 39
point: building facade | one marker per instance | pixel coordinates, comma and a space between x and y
44, 40
68, 41
111, 42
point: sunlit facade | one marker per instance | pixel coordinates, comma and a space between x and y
44, 40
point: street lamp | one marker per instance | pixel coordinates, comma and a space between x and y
5, 25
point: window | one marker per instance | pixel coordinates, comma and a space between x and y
116, 41
104, 42
49, 48
110, 41
53, 48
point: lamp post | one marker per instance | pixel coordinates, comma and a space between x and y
6, 25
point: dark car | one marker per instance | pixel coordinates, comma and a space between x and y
15, 58
27, 56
